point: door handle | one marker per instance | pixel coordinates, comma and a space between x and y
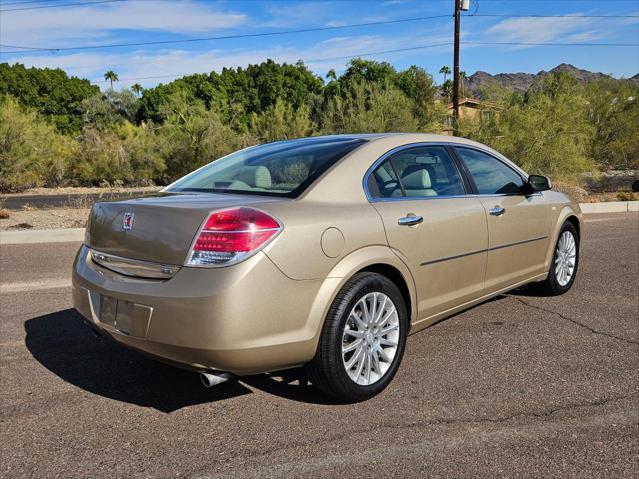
497, 211
410, 220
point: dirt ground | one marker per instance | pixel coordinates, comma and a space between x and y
44, 219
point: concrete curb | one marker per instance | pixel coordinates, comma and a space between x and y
67, 235
609, 207
71, 235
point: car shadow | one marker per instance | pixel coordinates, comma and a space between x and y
528, 290
63, 344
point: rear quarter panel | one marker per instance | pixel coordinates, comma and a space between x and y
318, 235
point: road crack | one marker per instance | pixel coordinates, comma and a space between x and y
438, 422
576, 322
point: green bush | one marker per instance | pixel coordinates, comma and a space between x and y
32, 152
192, 136
126, 154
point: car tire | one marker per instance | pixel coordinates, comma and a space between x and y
361, 319
566, 252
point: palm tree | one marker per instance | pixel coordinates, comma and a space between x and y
447, 89
111, 76
331, 75
137, 88
445, 70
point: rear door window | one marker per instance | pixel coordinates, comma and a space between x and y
423, 171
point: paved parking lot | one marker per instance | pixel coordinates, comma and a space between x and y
520, 386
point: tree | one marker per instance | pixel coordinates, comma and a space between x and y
111, 76
447, 89
50, 92
445, 70
462, 77
106, 110
137, 88
613, 110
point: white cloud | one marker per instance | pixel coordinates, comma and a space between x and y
538, 30
59, 27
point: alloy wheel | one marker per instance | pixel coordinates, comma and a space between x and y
565, 258
370, 339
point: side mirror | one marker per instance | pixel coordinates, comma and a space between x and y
538, 183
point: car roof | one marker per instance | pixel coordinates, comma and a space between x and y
369, 137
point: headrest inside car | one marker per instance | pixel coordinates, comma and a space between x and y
255, 176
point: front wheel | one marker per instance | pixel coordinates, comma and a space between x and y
563, 268
362, 341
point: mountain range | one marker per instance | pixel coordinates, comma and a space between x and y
523, 81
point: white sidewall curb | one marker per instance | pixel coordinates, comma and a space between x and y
76, 235
609, 207
66, 235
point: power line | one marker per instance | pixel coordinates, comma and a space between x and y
498, 15
28, 1
226, 37
58, 5
551, 44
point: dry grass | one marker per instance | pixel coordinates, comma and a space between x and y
572, 190
4, 214
82, 201
627, 196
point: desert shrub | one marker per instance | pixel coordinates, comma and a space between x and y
282, 122
626, 196
124, 155
193, 135
32, 152
548, 133
368, 108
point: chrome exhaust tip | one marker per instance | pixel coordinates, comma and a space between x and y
214, 378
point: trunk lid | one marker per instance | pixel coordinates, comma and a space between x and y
159, 228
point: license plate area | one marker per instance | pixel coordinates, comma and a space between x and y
124, 316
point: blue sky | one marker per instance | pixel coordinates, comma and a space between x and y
133, 21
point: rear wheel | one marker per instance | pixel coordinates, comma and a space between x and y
362, 341
563, 268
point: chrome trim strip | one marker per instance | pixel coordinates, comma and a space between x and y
507, 245
447, 197
134, 267
448, 258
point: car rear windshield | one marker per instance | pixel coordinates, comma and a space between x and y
284, 168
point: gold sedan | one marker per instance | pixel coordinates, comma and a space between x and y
324, 252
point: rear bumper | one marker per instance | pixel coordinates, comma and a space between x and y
245, 319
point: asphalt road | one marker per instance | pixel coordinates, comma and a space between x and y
520, 386
16, 202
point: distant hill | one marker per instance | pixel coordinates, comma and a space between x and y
523, 81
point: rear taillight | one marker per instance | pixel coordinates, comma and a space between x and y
232, 235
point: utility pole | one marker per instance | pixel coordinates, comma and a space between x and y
459, 6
